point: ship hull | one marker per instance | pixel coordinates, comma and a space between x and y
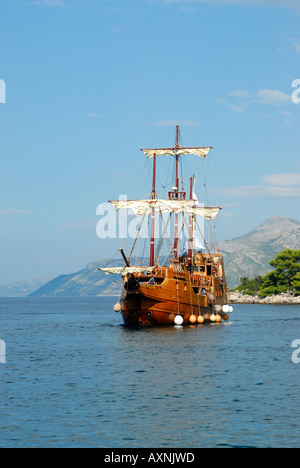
143, 303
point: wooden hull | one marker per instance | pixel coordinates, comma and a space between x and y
171, 295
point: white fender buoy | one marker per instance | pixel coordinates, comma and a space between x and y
117, 307
217, 308
178, 320
212, 318
200, 319
225, 308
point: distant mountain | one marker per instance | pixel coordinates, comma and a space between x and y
23, 288
249, 255
87, 282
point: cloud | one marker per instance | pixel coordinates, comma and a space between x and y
287, 4
14, 211
296, 46
239, 100
273, 96
94, 115
51, 3
284, 185
284, 179
239, 93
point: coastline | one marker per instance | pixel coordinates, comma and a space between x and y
237, 297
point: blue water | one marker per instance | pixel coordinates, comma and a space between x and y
76, 377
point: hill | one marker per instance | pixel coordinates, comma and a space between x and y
22, 288
87, 282
249, 255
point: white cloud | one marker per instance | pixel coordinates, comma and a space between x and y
94, 115
285, 185
296, 46
273, 96
239, 93
14, 211
51, 3
240, 100
287, 4
284, 179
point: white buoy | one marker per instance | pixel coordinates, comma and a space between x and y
178, 320
212, 318
117, 307
217, 308
226, 308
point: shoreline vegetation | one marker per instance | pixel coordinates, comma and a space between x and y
281, 286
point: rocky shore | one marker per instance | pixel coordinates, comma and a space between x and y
237, 297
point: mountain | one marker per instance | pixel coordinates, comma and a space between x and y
87, 282
22, 288
249, 255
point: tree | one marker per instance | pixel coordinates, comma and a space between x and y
296, 284
286, 277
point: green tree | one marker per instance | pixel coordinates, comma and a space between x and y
296, 284
285, 277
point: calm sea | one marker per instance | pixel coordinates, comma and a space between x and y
76, 377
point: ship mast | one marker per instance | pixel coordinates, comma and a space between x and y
153, 196
176, 192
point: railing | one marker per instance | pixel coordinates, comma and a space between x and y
177, 195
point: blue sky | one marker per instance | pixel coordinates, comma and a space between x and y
90, 82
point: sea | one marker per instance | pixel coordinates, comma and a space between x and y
73, 376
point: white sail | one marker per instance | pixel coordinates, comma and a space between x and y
201, 152
196, 244
127, 270
204, 212
144, 207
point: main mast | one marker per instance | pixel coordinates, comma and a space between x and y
153, 196
176, 194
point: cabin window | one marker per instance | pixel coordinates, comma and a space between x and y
208, 270
202, 269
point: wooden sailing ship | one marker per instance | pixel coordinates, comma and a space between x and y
191, 288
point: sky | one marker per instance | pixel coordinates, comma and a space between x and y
90, 82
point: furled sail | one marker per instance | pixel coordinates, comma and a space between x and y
145, 207
127, 270
201, 152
